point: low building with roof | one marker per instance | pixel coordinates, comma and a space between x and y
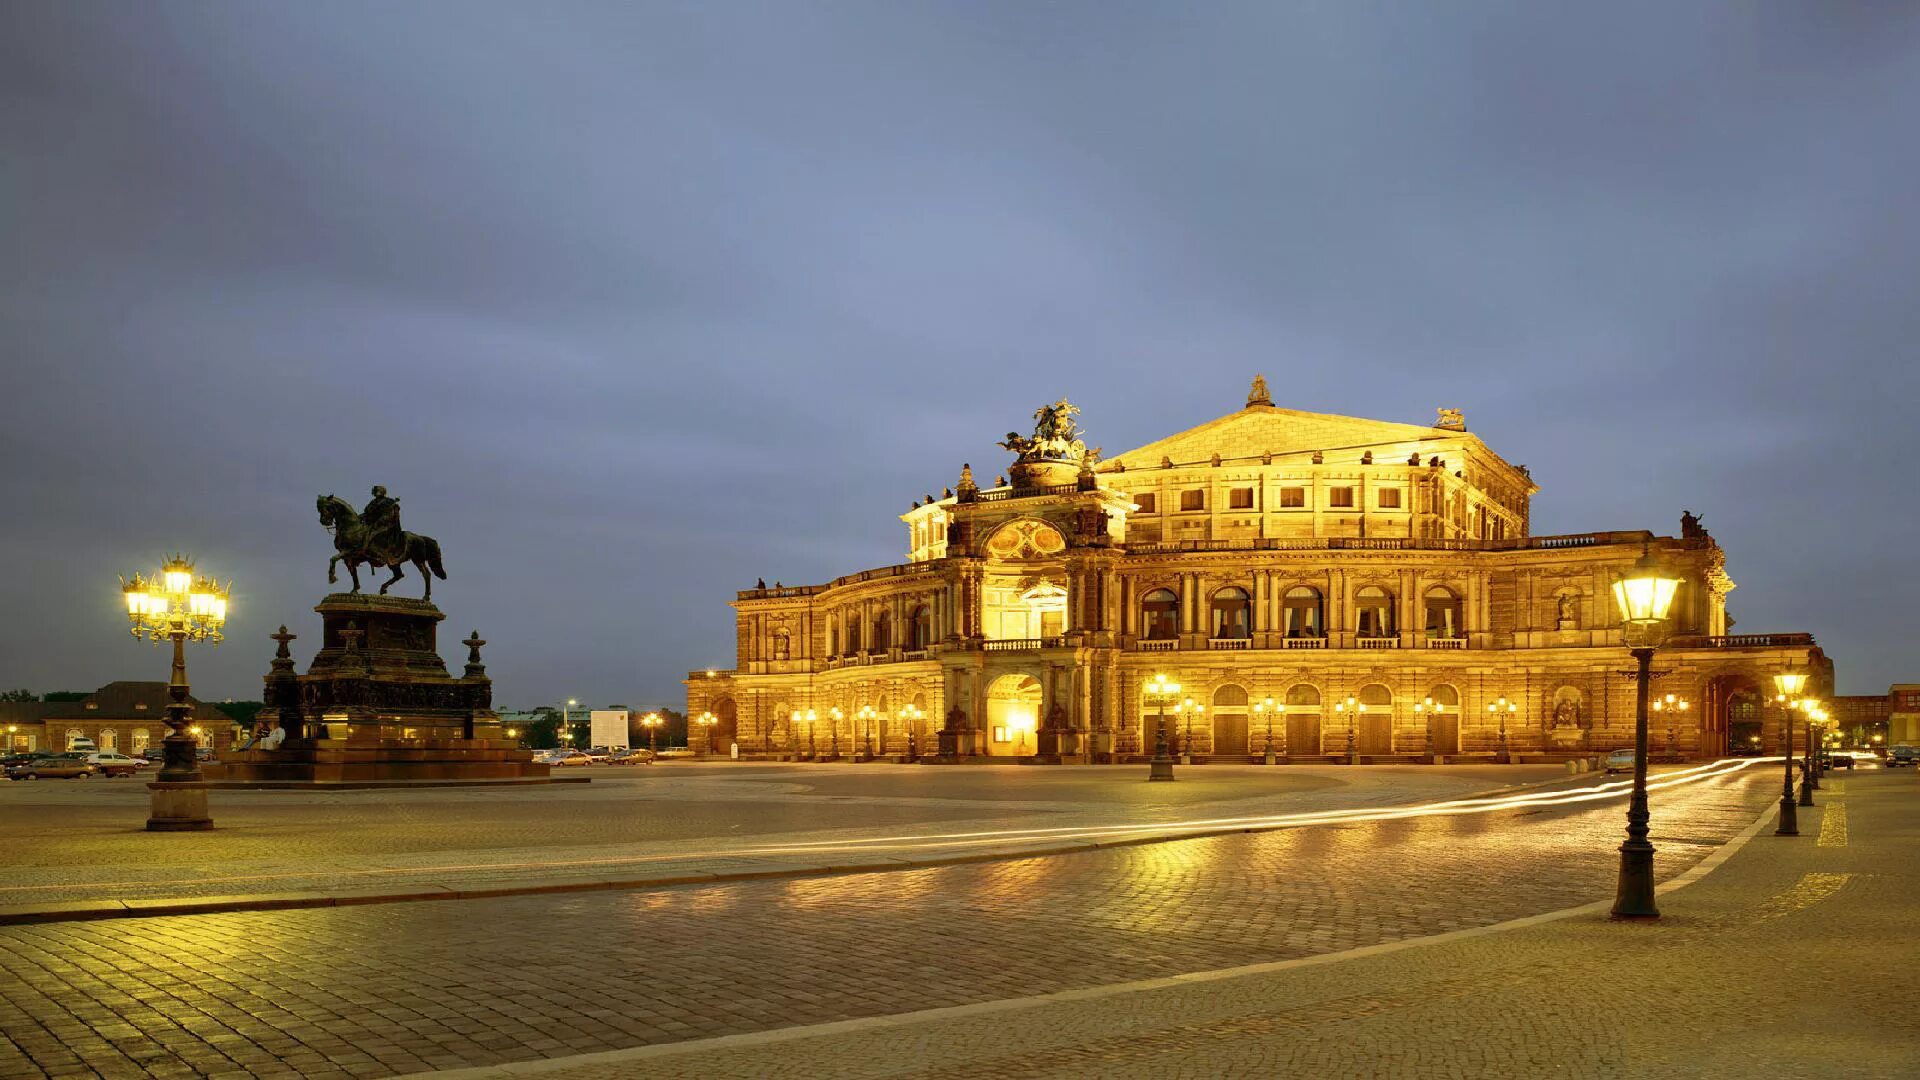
125, 716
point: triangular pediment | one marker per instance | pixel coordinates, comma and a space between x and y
1267, 429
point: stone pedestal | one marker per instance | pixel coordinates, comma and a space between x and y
378, 704
178, 808
1566, 739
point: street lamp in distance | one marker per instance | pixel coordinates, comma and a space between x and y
706, 720
1159, 692
1352, 707
1266, 709
1789, 684
651, 722
1643, 596
913, 714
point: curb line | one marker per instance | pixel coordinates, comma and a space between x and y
93, 910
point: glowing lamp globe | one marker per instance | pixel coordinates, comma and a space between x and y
1645, 594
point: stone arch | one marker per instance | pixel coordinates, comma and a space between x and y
1373, 727
1160, 614
1229, 736
1303, 608
1230, 613
1443, 719
727, 731
1304, 715
74, 735
1013, 714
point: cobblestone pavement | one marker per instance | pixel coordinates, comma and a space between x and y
1788, 961
74, 840
372, 991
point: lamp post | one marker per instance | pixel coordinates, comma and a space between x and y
1352, 708
1426, 709
1267, 708
1643, 596
566, 721
1821, 718
1186, 711
707, 720
834, 716
514, 734
867, 715
1788, 684
177, 605
1672, 707
1159, 692
912, 714
651, 722
1503, 709
1812, 709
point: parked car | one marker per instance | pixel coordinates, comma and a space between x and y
64, 766
114, 764
637, 756
1902, 755
156, 752
1620, 761
599, 754
16, 759
565, 757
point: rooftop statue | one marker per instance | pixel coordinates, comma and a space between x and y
1055, 435
373, 536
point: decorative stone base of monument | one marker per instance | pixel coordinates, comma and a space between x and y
377, 705
1567, 740
178, 808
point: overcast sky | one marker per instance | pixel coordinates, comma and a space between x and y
633, 303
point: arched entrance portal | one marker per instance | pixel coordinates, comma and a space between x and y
1732, 721
1375, 732
1303, 721
1229, 722
1443, 721
728, 729
1013, 715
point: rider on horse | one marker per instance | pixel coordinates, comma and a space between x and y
385, 540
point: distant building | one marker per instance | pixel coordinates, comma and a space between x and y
123, 716
1903, 714
1360, 581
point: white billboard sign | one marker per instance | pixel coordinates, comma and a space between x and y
607, 727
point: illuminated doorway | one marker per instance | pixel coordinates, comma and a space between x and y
1013, 715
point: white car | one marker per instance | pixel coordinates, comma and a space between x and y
1620, 761
115, 764
564, 757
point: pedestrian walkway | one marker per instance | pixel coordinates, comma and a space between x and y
1791, 958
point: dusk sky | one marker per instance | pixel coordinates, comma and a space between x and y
632, 303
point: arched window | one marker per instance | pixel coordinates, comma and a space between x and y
1305, 613
74, 735
1445, 698
1373, 608
882, 632
137, 744
109, 739
920, 628
1232, 615
1444, 613
1375, 696
1303, 696
1160, 615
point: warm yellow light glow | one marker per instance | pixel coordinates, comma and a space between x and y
1644, 594
1790, 683
178, 580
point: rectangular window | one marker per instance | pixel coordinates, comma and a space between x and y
1293, 497
1146, 504
999, 734
1340, 496
1240, 499
1390, 498
1193, 500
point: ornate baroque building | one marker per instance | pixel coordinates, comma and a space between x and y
1323, 584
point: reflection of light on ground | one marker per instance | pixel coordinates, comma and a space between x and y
874, 848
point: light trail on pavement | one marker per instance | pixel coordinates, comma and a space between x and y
1094, 835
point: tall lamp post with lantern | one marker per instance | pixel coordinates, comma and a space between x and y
1160, 692
912, 715
651, 722
178, 605
1643, 596
1789, 684
1352, 707
1267, 709
706, 720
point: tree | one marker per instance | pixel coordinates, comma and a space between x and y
21, 694
65, 695
241, 712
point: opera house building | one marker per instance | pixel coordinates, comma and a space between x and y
1321, 588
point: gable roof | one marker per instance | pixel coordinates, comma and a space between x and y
120, 701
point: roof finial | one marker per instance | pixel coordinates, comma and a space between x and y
1258, 394
1451, 420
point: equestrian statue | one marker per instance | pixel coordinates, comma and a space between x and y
373, 536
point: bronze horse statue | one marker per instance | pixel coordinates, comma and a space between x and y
350, 537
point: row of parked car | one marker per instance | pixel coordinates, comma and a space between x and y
599, 755
72, 765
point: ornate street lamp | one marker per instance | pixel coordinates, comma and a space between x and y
1352, 707
1266, 709
867, 714
707, 720
1187, 709
1160, 692
1789, 684
1503, 709
177, 605
1643, 597
913, 714
1427, 709
1812, 708
1673, 707
834, 716
651, 722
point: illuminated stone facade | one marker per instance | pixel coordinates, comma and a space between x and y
1273, 562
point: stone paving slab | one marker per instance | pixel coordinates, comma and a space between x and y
376, 990
1777, 965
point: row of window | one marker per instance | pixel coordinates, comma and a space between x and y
1303, 613
879, 636
1291, 498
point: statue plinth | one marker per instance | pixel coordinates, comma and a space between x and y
378, 704
1036, 474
